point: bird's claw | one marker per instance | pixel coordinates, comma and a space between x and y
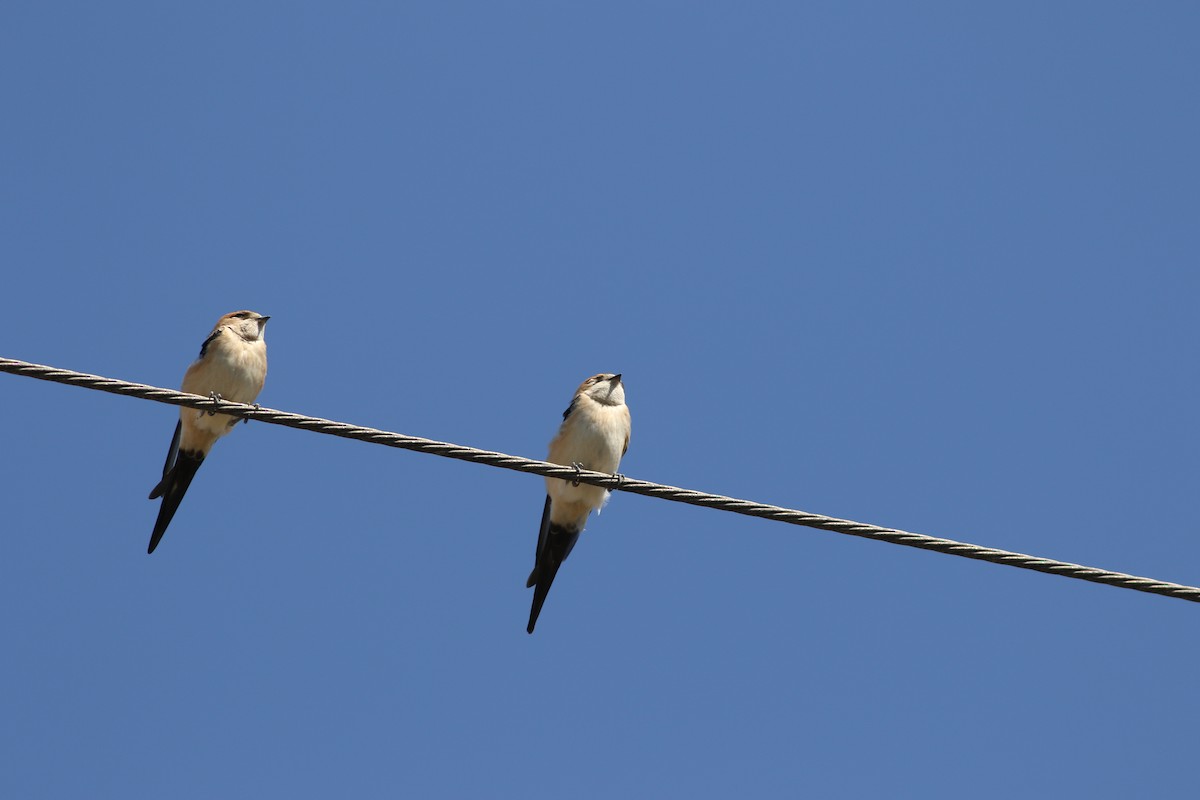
620, 479
578, 469
246, 420
216, 398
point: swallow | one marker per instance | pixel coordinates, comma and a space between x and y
232, 366
594, 435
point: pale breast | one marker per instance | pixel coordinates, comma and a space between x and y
237, 372
232, 368
594, 436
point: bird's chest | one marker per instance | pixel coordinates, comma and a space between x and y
597, 440
236, 374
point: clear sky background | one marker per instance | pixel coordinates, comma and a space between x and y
926, 265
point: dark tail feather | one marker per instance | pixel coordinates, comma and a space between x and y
173, 450
541, 543
556, 546
171, 489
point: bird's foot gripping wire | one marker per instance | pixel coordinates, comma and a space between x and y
620, 480
578, 469
216, 398
246, 420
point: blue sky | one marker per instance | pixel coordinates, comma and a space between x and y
928, 265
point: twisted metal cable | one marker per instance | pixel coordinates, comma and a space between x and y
613, 482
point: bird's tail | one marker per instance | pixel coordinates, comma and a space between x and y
171, 489
556, 546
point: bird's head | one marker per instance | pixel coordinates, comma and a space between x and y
247, 324
605, 388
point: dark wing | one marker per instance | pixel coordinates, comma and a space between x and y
211, 336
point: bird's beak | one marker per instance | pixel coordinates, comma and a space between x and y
263, 319
615, 379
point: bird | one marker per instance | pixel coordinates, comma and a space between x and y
232, 366
594, 435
